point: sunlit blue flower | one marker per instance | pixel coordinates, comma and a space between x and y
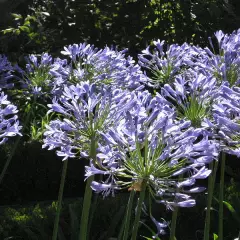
227, 119
192, 99
157, 149
9, 125
36, 79
162, 66
223, 63
102, 67
85, 114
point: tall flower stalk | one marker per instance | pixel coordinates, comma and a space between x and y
87, 112
148, 151
59, 203
139, 210
128, 215
87, 195
221, 195
9, 127
211, 183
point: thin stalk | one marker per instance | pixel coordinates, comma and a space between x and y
128, 215
139, 210
59, 204
13, 150
93, 210
173, 224
174, 218
211, 182
86, 209
87, 196
221, 193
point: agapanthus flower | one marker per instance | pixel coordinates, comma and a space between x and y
100, 66
39, 78
161, 226
85, 114
223, 63
162, 66
6, 70
155, 150
9, 125
191, 99
227, 119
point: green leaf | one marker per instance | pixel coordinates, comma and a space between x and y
17, 16
232, 210
27, 23
17, 31
8, 30
24, 28
28, 18
215, 236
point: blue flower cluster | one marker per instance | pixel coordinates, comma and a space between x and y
9, 125
161, 142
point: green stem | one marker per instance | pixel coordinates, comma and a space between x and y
174, 218
128, 215
87, 196
86, 209
173, 224
139, 210
93, 211
221, 193
59, 204
211, 182
13, 150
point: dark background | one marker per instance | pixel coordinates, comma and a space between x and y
47, 26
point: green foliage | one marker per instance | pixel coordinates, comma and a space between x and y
215, 236
193, 110
128, 24
29, 28
38, 127
36, 222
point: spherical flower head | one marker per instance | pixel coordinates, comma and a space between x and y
102, 66
192, 99
38, 79
9, 125
224, 62
227, 119
162, 66
85, 114
154, 148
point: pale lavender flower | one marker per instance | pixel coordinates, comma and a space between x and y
161, 226
162, 66
155, 148
191, 99
223, 63
86, 114
9, 125
102, 67
227, 119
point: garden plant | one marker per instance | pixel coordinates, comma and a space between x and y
157, 129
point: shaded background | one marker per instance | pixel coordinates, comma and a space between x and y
46, 26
